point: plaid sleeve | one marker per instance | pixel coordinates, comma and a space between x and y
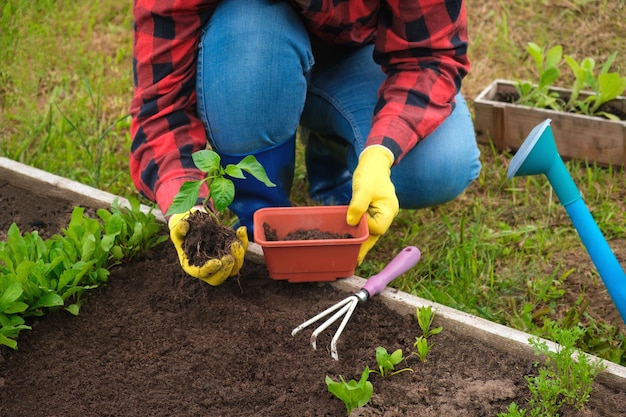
164, 128
422, 47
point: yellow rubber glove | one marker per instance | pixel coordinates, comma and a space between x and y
374, 193
214, 271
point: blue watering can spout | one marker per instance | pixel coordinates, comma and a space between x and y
539, 155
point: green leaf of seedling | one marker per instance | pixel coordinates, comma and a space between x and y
384, 361
611, 85
549, 76
207, 161
234, 171
16, 307
387, 362
186, 198
536, 53
609, 116
10, 295
353, 394
114, 224
73, 309
396, 357
222, 193
89, 247
553, 57
48, 300
254, 168
608, 63
8, 342
10, 326
107, 242
117, 253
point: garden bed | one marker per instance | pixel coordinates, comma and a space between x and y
154, 342
587, 138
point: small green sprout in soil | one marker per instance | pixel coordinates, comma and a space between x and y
387, 362
566, 377
353, 394
425, 317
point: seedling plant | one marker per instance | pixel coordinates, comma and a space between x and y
604, 87
38, 275
353, 394
387, 362
221, 189
566, 377
425, 316
547, 66
356, 394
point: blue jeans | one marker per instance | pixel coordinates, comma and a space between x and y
259, 78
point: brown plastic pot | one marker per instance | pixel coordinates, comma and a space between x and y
309, 260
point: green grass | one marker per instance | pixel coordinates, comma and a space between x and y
505, 250
64, 91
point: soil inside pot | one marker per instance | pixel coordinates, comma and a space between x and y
155, 342
303, 234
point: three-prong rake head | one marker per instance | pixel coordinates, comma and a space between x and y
404, 261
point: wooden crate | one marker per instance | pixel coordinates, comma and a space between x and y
506, 125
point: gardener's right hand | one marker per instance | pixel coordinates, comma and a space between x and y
214, 271
373, 193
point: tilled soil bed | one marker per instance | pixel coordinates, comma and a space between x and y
155, 342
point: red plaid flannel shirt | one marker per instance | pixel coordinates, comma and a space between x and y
420, 44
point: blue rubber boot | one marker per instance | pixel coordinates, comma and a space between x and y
251, 194
330, 181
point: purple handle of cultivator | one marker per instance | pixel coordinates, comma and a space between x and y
404, 261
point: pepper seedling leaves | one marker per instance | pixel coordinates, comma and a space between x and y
186, 198
207, 161
222, 193
254, 168
222, 189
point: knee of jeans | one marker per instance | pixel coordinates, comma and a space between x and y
251, 82
435, 187
252, 98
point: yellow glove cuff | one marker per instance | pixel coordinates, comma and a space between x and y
378, 153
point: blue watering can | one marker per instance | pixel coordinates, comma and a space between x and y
538, 155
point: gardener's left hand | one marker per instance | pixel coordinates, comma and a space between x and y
214, 271
373, 193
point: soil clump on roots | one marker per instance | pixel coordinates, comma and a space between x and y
207, 239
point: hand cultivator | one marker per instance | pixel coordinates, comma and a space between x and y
404, 261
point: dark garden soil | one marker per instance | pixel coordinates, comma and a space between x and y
303, 234
154, 342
